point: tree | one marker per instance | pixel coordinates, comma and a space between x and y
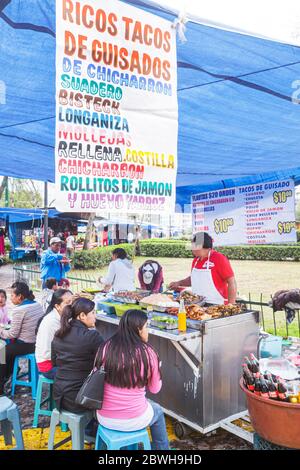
22, 193
3, 186
89, 231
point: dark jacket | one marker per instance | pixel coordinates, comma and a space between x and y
74, 357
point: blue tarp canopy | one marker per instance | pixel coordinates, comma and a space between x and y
16, 215
238, 123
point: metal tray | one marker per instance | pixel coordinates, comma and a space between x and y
163, 325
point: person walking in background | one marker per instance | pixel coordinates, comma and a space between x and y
105, 237
2, 242
131, 367
53, 263
70, 240
46, 329
25, 317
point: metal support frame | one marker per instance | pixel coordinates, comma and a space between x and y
186, 358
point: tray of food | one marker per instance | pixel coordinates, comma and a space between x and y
91, 290
228, 310
190, 298
159, 302
129, 297
164, 323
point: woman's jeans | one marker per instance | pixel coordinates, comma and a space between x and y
158, 429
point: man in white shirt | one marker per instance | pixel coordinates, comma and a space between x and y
120, 274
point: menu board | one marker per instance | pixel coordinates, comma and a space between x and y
116, 109
254, 214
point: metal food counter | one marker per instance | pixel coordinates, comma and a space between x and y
200, 368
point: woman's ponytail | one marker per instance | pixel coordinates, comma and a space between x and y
31, 295
65, 322
71, 312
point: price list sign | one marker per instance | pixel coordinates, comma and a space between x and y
254, 214
116, 108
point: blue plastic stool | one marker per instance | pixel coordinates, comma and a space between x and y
76, 423
115, 440
32, 374
10, 419
38, 410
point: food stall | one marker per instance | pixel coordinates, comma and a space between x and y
200, 367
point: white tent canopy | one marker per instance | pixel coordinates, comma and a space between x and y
276, 20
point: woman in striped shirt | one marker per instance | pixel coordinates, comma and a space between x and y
25, 317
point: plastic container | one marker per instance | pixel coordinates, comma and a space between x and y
280, 367
275, 421
271, 346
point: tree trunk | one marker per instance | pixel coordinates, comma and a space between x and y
3, 185
89, 231
137, 246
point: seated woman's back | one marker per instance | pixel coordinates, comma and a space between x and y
131, 366
73, 352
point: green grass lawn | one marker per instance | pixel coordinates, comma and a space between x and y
259, 278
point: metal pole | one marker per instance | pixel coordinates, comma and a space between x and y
46, 216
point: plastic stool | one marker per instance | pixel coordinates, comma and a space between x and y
76, 423
262, 444
115, 440
10, 419
38, 410
32, 374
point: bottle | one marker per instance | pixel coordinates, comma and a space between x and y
254, 364
257, 387
248, 363
282, 390
271, 387
248, 378
264, 391
181, 317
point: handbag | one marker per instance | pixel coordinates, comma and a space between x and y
91, 393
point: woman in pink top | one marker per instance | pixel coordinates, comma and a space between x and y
4, 320
132, 366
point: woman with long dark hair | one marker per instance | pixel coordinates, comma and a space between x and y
25, 317
73, 351
131, 366
46, 329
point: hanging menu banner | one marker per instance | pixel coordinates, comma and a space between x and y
255, 214
116, 108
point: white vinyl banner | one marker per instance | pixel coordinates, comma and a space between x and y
116, 108
254, 214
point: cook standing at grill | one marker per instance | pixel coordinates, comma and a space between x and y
211, 276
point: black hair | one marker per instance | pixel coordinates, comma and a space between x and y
56, 299
2, 291
120, 253
71, 312
50, 282
126, 357
203, 239
21, 288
